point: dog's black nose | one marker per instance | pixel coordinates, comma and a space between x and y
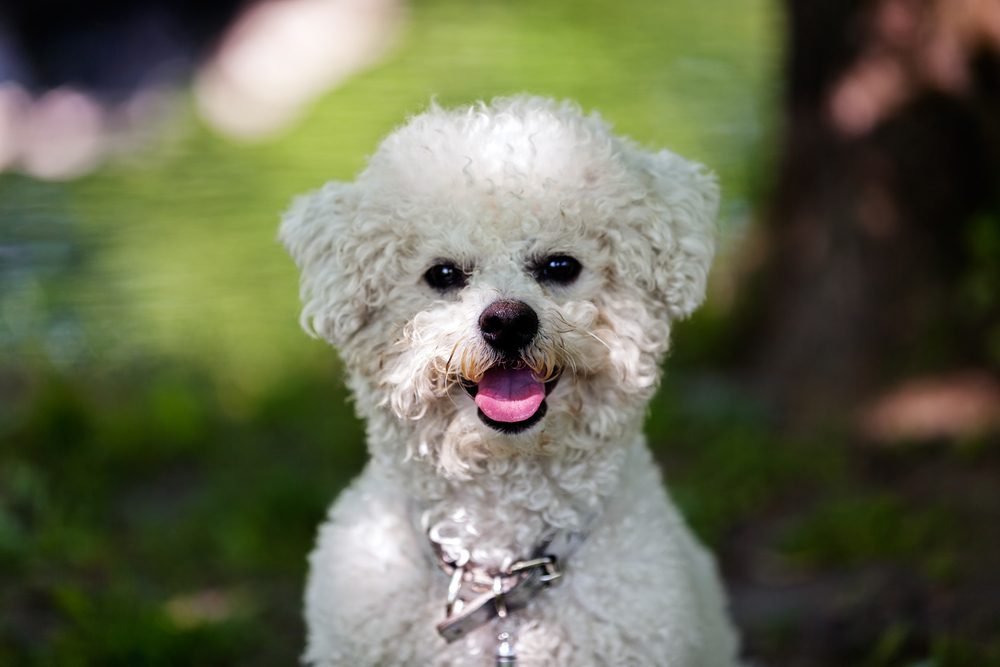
508, 326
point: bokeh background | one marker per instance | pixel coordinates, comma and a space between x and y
169, 438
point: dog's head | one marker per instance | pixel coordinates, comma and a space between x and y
502, 278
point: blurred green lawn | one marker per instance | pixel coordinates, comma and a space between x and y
170, 438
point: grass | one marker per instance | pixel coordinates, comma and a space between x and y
122, 496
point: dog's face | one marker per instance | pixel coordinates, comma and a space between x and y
503, 278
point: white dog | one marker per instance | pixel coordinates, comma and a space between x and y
501, 282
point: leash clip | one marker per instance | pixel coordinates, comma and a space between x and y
530, 577
548, 563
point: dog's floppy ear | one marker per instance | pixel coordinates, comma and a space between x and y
684, 203
317, 231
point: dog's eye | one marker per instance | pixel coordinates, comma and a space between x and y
557, 269
445, 276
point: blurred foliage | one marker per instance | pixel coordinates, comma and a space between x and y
123, 491
978, 289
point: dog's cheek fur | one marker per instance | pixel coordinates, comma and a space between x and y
417, 370
637, 341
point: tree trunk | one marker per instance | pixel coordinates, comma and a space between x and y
886, 163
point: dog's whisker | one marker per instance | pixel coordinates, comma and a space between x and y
598, 339
571, 359
451, 356
447, 378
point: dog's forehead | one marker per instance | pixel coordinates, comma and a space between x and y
491, 231
491, 181
512, 182
499, 161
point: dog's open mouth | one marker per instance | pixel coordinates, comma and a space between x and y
510, 399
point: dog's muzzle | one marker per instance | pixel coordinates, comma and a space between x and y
510, 398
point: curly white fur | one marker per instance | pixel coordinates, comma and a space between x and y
492, 188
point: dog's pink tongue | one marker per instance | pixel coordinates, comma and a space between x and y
509, 395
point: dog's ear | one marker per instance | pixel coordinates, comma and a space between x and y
684, 203
317, 231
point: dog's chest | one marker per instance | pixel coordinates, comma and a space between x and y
505, 516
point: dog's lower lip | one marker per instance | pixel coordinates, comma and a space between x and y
515, 427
